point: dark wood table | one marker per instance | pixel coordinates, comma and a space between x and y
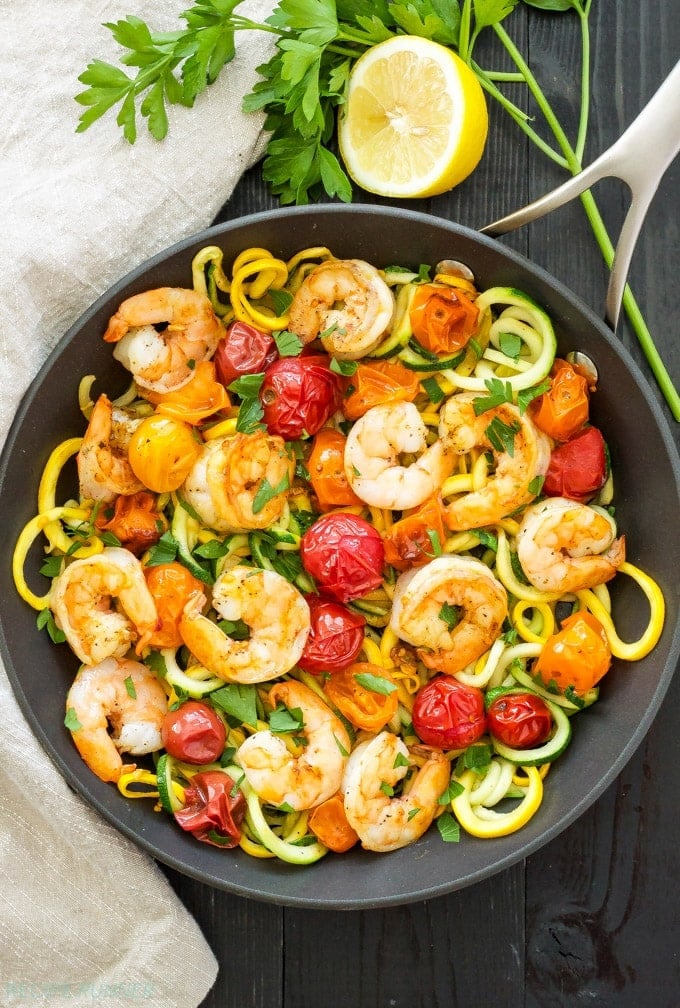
593, 918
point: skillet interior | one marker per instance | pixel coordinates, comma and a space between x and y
648, 498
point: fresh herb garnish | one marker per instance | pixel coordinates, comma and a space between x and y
374, 683
303, 84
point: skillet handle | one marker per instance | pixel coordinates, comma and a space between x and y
639, 158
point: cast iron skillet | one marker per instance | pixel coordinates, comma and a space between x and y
605, 736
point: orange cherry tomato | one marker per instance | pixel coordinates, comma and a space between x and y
443, 319
171, 585
162, 452
136, 522
328, 822
416, 538
200, 398
364, 707
563, 409
577, 656
326, 467
377, 382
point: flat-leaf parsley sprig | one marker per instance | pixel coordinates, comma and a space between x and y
303, 84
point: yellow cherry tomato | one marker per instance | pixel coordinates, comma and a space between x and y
162, 452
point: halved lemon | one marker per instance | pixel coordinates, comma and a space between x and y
414, 122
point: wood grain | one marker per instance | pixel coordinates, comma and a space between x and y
592, 918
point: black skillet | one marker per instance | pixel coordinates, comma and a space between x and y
605, 736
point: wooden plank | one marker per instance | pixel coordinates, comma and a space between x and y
246, 938
416, 956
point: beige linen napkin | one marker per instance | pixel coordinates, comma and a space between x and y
85, 917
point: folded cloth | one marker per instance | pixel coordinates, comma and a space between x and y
85, 917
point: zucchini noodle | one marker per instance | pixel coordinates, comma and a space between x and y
299, 655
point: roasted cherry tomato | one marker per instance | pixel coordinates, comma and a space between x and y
135, 521
193, 733
298, 395
416, 538
442, 318
326, 467
377, 382
162, 452
171, 585
202, 396
243, 350
448, 714
578, 468
519, 720
578, 655
335, 636
214, 809
563, 409
344, 555
328, 822
365, 708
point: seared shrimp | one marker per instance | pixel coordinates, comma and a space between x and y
301, 782
373, 768
163, 360
275, 613
564, 546
124, 696
80, 600
224, 484
104, 470
451, 610
372, 452
347, 304
512, 483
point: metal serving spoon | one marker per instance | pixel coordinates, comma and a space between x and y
639, 158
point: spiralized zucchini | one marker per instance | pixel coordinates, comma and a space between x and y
506, 361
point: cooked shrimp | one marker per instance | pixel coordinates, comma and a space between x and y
124, 696
229, 476
347, 304
275, 613
372, 458
80, 600
373, 768
163, 360
451, 610
513, 483
564, 546
300, 782
104, 470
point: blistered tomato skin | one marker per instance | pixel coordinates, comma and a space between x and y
193, 733
448, 714
520, 720
214, 809
243, 350
335, 637
578, 468
298, 395
345, 556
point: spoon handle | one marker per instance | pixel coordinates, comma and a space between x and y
639, 158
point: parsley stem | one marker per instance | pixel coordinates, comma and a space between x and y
572, 161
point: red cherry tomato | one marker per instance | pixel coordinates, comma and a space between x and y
243, 350
344, 554
193, 733
335, 636
298, 395
519, 720
448, 714
578, 468
214, 809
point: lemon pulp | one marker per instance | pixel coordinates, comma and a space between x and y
415, 119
